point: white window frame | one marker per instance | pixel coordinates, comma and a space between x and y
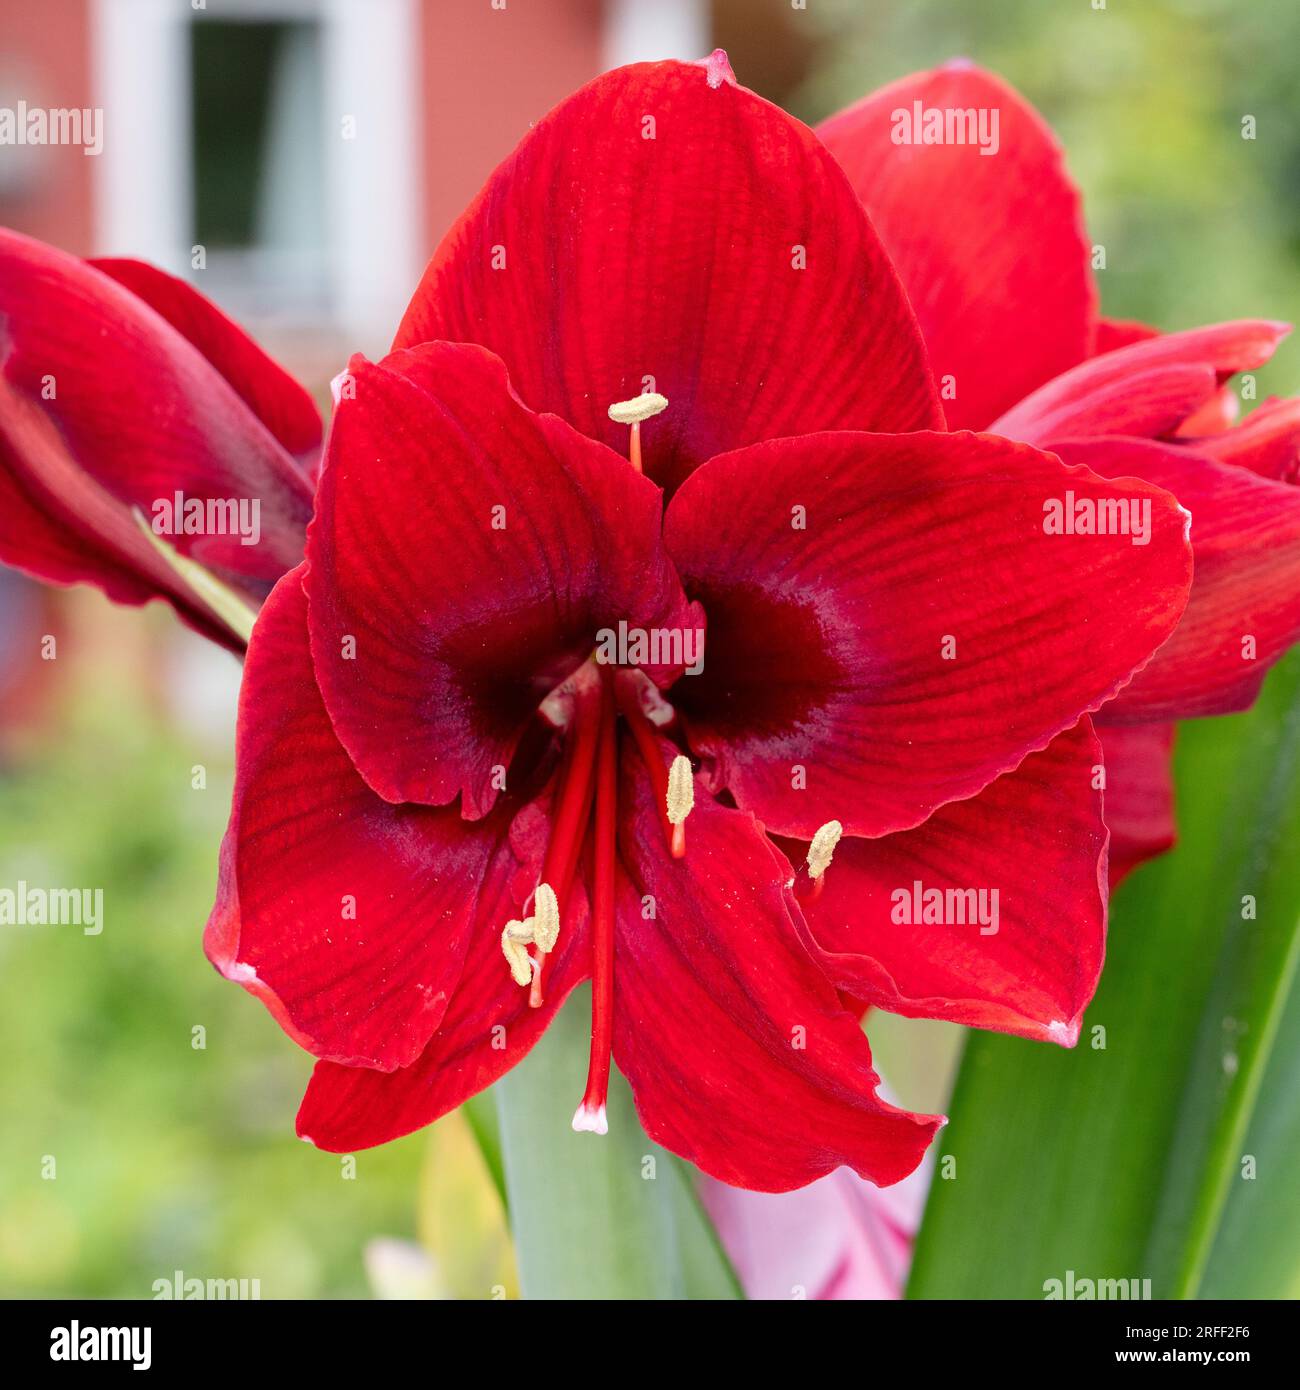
373, 199
640, 31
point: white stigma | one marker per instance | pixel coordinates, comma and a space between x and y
822, 849
643, 407
681, 790
590, 1119
546, 917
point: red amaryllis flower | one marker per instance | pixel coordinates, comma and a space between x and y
123, 390
1004, 292
448, 813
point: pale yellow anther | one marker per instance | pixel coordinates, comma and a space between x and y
681, 790
822, 849
546, 917
516, 954
643, 407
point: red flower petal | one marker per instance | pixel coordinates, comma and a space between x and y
1244, 609
347, 916
1139, 800
487, 1029
831, 648
105, 407
739, 1053
651, 229
991, 247
1031, 963
279, 402
472, 550
1148, 388
1267, 441
1218, 413
1118, 333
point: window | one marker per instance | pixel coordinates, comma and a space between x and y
281, 137
258, 160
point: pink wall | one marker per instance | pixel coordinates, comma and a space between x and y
45, 61
486, 75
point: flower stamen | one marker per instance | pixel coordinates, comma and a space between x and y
643, 407
514, 938
679, 801
822, 849
820, 853
546, 917
647, 742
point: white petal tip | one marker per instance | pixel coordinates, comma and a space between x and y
718, 67
589, 1119
1067, 1034
338, 385
240, 973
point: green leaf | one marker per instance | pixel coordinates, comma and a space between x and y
220, 598
1255, 1252
597, 1216
481, 1115
1132, 1160
461, 1218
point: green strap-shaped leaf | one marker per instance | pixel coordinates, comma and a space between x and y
485, 1126
1163, 1147
219, 598
1255, 1252
597, 1216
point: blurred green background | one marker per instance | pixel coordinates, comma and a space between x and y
169, 1157
176, 1158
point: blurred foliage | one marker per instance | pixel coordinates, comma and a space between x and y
168, 1157
462, 1211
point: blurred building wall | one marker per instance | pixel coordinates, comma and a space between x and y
45, 61
485, 76
438, 91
